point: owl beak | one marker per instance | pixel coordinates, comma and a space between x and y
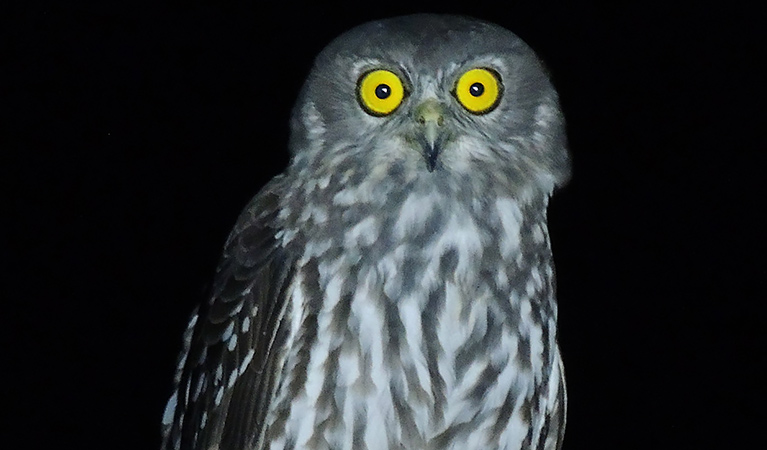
430, 118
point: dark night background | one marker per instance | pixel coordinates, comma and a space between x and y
133, 134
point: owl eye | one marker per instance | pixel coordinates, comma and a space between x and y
479, 90
380, 92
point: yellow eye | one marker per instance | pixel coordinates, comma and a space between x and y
380, 92
479, 90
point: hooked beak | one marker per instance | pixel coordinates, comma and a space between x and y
430, 118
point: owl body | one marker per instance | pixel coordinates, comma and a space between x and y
395, 287
436, 327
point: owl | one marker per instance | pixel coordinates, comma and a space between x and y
394, 287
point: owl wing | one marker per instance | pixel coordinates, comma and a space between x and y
556, 412
225, 377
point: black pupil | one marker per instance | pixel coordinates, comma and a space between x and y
383, 91
476, 89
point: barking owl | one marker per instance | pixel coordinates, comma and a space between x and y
394, 288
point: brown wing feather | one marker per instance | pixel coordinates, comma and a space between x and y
224, 381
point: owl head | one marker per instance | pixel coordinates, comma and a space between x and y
433, 100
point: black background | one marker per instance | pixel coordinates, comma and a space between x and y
134, 133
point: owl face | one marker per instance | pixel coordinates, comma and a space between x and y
433, 98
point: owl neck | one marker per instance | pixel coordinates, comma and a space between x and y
420, 233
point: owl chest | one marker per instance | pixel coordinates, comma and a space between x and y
400, 348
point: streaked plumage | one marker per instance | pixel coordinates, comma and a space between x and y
394, 288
